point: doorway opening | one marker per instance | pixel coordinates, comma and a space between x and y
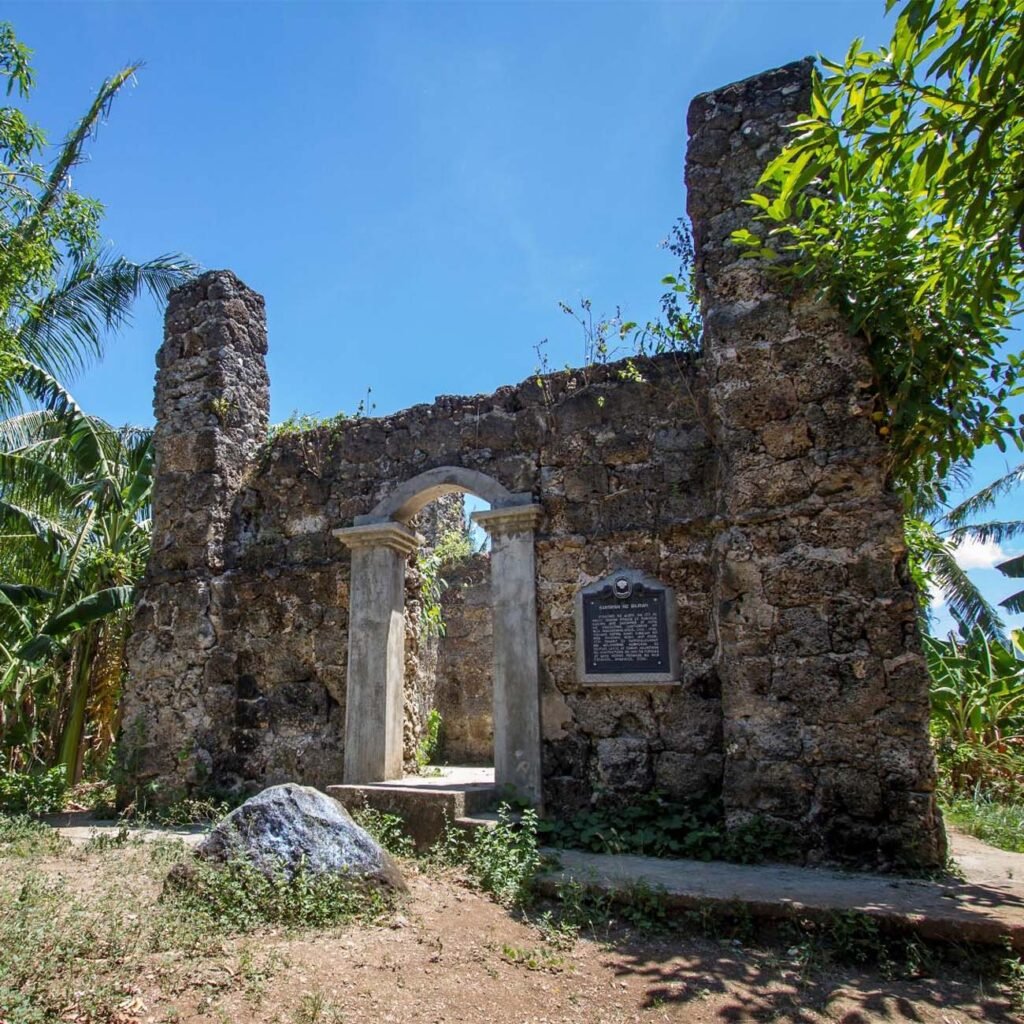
381, 543
449, 693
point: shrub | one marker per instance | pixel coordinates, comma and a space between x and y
502, 860
654, 826
32, 792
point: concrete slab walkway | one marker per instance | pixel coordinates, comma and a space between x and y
81, 827
986, 907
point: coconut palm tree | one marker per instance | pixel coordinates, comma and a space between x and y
74, 491
61, 292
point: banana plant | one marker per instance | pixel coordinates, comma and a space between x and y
74, 538
977, 698
977, 688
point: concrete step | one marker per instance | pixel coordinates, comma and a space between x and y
482, 819
424, 805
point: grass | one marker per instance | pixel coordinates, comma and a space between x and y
88, 932
999, 824
238, 897
80, 925
22, 836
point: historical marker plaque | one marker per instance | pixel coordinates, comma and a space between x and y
625, 631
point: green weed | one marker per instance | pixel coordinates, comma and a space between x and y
100, 842
238, 897
22, 836
387, 829
32, 792
537, 959
1001, 824
316, 1008
430, 741
503, 860
187, 811
1013, 981
654, 826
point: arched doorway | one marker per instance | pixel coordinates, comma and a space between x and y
380, 543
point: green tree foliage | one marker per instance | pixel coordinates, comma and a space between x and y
60, 291
74, 538
902, 196
74, 491
978, 713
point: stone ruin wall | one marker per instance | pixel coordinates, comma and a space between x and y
750, 480
463, 688
422, 647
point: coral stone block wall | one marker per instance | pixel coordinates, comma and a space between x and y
463, 693
824, 688
748, 479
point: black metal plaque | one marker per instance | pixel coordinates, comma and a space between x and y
625, 630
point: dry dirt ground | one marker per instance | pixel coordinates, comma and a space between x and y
448, 954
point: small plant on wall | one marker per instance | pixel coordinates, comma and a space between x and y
432, 587
430, 742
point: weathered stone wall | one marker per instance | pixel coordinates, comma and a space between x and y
750, 481
464, 690
824, 688
434, 522
606, 456
211, 402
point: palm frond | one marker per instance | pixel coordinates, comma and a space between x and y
71, 151
966, 602
1014, 568
139, 477
23, 476
67, 327
984, 499
984, 533
25, 428
83, 433
50, 532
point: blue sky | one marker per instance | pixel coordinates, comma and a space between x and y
413, 187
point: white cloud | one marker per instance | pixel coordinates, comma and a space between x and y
975, 554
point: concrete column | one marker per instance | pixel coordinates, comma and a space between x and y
517, 757
376, 650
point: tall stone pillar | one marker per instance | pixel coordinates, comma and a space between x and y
211, 404
517, 734
376, 650
824, 688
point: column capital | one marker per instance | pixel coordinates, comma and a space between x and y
501, 522
391, 535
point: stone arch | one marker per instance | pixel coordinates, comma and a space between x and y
380, 542
410, 496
